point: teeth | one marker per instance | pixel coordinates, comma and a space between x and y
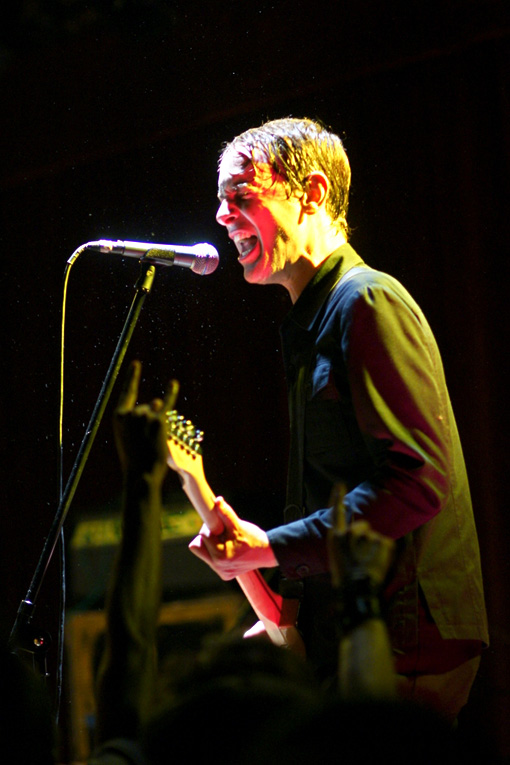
240, 236
245, 241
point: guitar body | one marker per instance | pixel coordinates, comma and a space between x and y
277, 614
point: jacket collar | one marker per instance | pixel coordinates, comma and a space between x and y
306, 307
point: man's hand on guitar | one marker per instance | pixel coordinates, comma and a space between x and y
241, 547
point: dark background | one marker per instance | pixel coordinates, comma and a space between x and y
112, 117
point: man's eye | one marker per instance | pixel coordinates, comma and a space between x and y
238, 193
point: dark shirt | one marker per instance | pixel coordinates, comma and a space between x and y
369, 406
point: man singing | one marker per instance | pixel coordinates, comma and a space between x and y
368, 408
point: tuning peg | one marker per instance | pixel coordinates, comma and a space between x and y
184, 431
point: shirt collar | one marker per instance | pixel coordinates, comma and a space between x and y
337, 264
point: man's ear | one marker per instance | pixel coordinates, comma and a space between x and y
316, 189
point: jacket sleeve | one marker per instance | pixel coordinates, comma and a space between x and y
402, 409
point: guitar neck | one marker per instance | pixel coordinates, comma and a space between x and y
203, 499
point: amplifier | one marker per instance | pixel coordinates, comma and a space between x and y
95, 539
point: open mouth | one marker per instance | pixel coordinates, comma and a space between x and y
245, 245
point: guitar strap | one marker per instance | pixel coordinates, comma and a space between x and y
295, 509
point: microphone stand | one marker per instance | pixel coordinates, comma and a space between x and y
23, 637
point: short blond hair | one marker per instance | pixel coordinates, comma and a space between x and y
295, 148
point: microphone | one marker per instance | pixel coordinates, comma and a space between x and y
202, 259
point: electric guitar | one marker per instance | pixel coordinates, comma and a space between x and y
277, 614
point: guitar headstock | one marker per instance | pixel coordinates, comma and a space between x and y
183, 441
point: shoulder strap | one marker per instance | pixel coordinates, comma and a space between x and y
294, 509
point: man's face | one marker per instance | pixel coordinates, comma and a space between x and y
259, 217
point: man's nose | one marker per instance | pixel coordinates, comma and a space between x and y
227, 213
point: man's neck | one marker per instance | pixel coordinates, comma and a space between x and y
300, 273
